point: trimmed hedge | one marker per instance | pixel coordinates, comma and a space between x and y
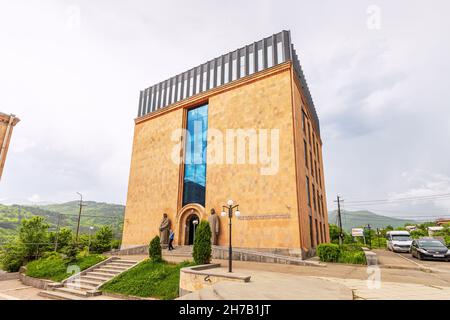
202, 243
328, 252
154, 250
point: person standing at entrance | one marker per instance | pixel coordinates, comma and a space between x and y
171, 237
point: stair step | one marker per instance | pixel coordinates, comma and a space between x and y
57, 295
80, 286
123, 261
91, 282
96, 278
105, 276
120, 265
107, 271
75, 292
120, 269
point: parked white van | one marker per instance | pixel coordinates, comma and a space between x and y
399, 241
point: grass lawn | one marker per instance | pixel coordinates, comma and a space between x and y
55, 267
148, 279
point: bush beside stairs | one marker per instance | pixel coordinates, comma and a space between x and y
87, 283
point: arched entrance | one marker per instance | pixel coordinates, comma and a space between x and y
191, 223
185, 223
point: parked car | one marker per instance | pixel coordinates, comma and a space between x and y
429, 248
398, 241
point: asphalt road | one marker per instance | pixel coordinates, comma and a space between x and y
441, 266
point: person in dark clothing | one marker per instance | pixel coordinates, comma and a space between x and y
171, 237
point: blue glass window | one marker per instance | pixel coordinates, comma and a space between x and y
194, 182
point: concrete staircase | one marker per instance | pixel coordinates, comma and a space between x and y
179, 251
86, 283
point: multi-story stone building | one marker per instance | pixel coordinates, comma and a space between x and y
7, 123
242, 126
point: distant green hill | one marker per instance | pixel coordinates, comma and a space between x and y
355, 219
94, 214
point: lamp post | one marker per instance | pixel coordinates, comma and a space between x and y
230, 206
79, 214
90, 231
195, 223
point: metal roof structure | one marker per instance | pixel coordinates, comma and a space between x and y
237, 64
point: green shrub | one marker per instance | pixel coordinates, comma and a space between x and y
351, 247
72, 250
55, 267
47, 268
419, 233
49, 254
202, 243
328, 252
154, 250
102, 241
115, 244
352, 257
12, 256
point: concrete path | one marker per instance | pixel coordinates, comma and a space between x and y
16, 290
274, 286
366, 290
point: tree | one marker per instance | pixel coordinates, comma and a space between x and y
33, 235
334, 234
64, 237
419, 233
202, 243
154, 250
72, 250
12, 256
102, 240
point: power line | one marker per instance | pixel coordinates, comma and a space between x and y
393, 200
398, 211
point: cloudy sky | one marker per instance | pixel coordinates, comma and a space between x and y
378, 72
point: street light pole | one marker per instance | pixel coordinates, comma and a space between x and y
90, 231
230, 208
79, 214
195, 222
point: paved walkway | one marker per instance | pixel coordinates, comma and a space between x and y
16, 290
367, 290
399, 277
273, 286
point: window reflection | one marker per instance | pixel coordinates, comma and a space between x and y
194, 182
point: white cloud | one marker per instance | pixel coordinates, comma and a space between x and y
34, 198
381, 96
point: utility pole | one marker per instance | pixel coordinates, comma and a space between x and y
340, 220
57, 232
79, 215
378, 237
370, 236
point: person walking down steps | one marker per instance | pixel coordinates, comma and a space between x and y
171, 237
